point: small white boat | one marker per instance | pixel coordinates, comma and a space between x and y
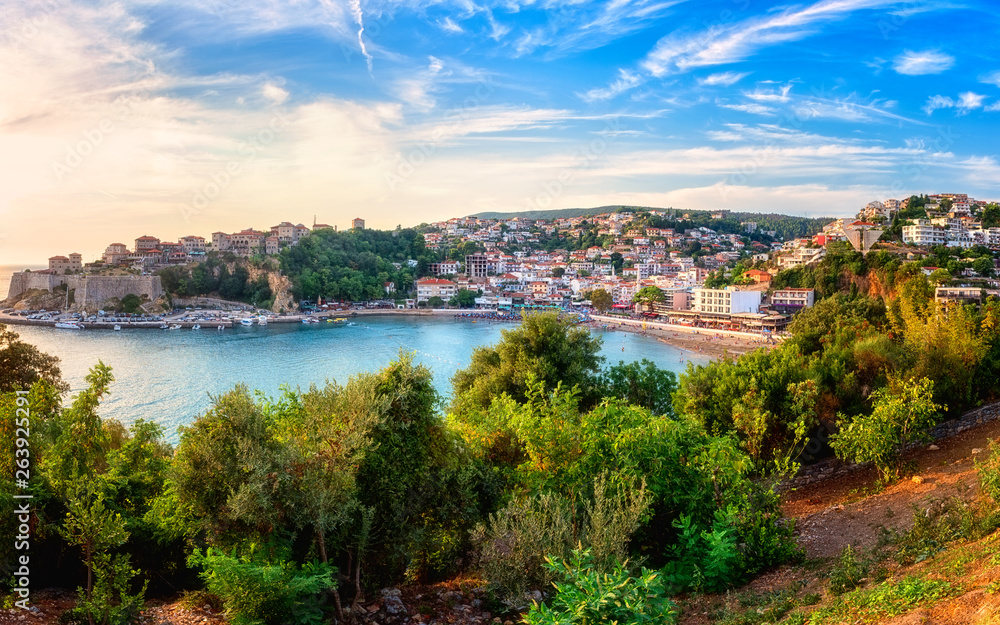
196, 326
262, 320
176, 326
221, 328
246, 321
68, 325
118, 327
164, 327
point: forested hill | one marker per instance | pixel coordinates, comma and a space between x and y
356, 264
787, 226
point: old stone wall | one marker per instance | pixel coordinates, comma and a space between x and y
89, 292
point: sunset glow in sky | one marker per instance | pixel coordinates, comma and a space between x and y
119, 119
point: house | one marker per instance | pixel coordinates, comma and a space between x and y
64, 264
792, 300
758, 276
435, 287
358, 223
727, 301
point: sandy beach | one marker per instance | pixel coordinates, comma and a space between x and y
696, 340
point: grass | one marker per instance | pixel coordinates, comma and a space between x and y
888, 599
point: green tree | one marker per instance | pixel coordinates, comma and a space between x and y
130, 304
899, 417
648, 295
435, 302
463, 299
544, 347
601, 300
641, 384
22, 364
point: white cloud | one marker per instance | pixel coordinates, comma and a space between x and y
964, 103
913, 63
729, 43
769, 95
993, 78
449, 25
724, 78
274, 93
626, 80
751, 107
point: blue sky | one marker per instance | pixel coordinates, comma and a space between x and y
186, 117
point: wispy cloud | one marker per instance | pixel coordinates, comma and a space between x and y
720, 44
964, 103
360, 19
993, 78
769, 95
751, 107
725, 79
626, 80
449, 25
913, 63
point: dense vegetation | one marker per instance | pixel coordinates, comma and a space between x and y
221, 275
547, 468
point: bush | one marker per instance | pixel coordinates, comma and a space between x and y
257, 591
585, 595
898, 419
520, 536
847, 573
989, 473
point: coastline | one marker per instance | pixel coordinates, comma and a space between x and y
713, 343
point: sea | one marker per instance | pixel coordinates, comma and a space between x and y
170, 377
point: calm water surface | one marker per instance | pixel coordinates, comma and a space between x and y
168, 376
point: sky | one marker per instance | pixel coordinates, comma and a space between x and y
132, 117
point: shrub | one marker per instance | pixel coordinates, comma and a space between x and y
585, 595
847, 573
257, 591
989, 473
898, 419
518, 537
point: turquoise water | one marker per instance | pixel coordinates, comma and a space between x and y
168, 376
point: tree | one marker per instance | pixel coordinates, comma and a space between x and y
601, 300
544, 348
641, 384
22, 364
648, 295
130, 304
435, 302
900, 416
558, 272
463, 299
984, 266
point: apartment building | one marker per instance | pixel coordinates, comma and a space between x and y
476, 265
727, 301
146, 243
66, 264
792, 300
435, 287
923, 232
193, 244
115, 253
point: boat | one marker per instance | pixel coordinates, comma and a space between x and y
68, 325
164, 327
221, 328
118, 327
196, 326
262, 320
246, 321
176, 326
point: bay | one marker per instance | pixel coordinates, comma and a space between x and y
168, 376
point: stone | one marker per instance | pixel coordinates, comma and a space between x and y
933, 448
392, 599
917, 479
977, 451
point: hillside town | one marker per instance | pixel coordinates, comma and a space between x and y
501, 264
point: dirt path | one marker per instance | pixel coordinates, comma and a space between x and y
833, 513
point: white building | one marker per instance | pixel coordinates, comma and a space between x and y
727, 301
923, 232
